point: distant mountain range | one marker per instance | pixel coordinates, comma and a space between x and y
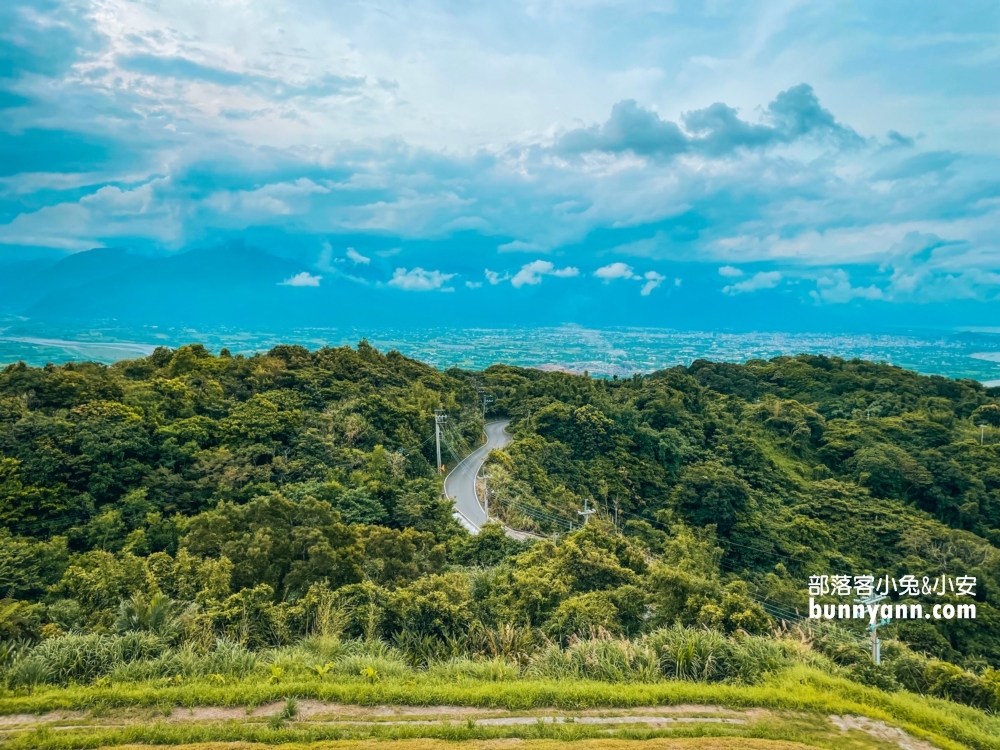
225, 285
240, 286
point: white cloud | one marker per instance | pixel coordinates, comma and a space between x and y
97, 218
357, 257
495, 278
427, 118
619, 270
275, 199
836, 288
518, 246
653, 280
419, 280
532, 273
614, 271
761, 280
473, 284
117, 202
302, 279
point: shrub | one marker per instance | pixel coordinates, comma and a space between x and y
83, 658
583, 615
689, 654
11, 651
910, 670
602, 658
323, 649
29, 673
551, 662
230, 659
159, 615
869, 673
507, 641
954, 683
750, 658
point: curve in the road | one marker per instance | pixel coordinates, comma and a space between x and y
460, 484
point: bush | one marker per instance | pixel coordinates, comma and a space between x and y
910, 670
11, 651
605, 658
751, 658
167, 664
954, 683
705, 655
230, 659
227, 659
159, 615
689, 654
29, 673
324, 649
874, 675
583, 615
83, 658
507, 641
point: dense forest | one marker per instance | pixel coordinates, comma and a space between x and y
188, 500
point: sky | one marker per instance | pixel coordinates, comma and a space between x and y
832, 156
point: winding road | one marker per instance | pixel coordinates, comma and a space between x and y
460, 484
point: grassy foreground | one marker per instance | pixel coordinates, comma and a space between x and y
797, 692
685, 743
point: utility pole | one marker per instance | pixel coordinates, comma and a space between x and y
487, 400
486, 496
586, 512
982, 433
439, 419
873, 628
868, 409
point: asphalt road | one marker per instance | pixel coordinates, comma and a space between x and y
460, 484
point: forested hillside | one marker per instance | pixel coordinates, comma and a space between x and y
797, 466
220, 506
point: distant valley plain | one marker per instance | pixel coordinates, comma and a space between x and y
607, 352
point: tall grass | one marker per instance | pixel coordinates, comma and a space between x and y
675, 653
373, 661
84, 658
702, 655
132, 657
605, 659
689, 654
479, 670
226, 660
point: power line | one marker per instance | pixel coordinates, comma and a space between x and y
659, 523
537, 513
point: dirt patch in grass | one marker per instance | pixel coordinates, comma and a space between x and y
880, 730
14, 720
320, 711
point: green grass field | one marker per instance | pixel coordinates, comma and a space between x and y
794, 706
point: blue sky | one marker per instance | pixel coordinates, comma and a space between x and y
841, 155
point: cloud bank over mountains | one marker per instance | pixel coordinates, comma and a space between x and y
837, 156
